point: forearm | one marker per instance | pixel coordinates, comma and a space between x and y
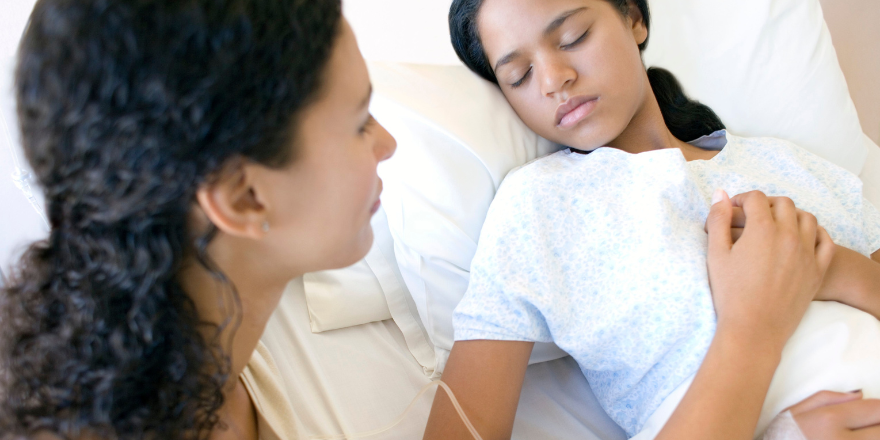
486, 377
724, 402
853, 279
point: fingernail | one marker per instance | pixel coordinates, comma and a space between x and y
856, 391
718, 196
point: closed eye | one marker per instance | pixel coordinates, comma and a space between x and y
366, 126
522, 80
576, 42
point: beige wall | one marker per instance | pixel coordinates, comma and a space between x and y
855, 31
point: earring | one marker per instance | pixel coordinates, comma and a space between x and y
266, 226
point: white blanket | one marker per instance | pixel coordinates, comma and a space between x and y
835, 348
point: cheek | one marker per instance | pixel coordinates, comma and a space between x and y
324, 208
354, 199
350, 192
628, 69
536, 111
612, 65
619, 72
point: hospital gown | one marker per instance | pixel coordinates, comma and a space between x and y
605, 255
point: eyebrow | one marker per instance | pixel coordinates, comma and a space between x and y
553, 26
506, 59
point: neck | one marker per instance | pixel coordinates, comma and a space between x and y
258, 292
647, 131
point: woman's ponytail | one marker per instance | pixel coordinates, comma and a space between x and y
686, 119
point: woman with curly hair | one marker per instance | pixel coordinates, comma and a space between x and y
195, 156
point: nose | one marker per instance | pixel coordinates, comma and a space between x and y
555, 75
385, 145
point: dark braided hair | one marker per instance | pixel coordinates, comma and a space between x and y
126, 107
686, 119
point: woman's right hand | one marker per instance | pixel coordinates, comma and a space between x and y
763, 282
838, 416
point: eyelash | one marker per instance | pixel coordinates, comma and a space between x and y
565, 47
522, 80
364, 128
576, 42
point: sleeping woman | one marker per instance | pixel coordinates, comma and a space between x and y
601, 248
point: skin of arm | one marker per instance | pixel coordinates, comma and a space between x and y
853, 279
486, 377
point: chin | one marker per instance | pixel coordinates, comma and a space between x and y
583, 141
584, 137
357, 249
366, 242
596, 135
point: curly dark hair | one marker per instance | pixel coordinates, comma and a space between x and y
126, 107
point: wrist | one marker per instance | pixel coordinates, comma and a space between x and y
750, 341
852, 279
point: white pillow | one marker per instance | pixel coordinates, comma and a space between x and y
768, 68
871, 173
371, 290
457, 139
350, 296
344, 298
830, 350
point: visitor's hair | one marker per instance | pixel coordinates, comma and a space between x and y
686, 119
126, 107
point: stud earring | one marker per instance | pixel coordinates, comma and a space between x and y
266, 226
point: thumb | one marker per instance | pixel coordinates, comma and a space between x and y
824, 398
719, 222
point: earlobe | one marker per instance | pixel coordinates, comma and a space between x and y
640, 31
230, 203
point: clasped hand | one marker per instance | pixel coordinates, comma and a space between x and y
775, 260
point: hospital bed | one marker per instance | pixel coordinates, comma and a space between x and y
356, 345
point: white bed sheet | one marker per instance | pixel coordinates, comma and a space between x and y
360, 378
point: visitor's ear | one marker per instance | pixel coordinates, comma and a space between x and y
639, 27
232, 203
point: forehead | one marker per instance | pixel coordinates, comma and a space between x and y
345, 77
506, 25
340, 100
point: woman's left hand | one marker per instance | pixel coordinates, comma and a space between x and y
828, 415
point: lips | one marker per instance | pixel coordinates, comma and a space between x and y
377, 203
575, 110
